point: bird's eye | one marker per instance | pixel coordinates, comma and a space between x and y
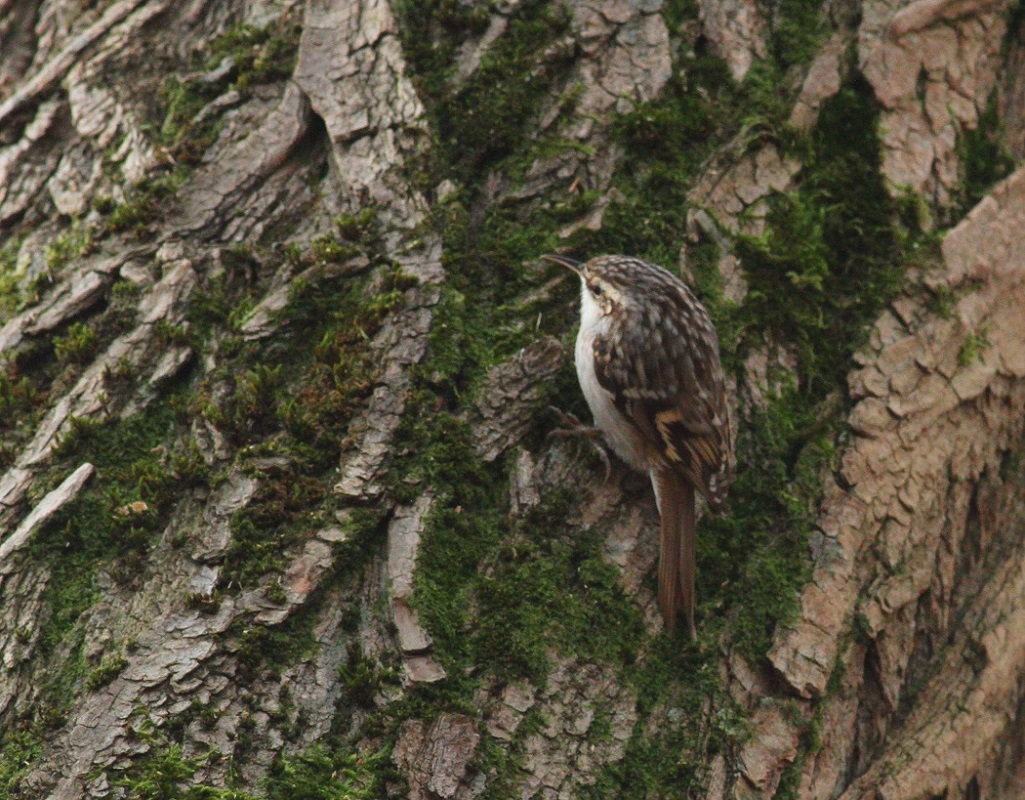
595, 289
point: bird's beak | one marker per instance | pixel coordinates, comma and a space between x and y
566, 262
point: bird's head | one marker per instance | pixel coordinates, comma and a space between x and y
609, 281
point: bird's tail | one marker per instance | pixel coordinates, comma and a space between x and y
675, 497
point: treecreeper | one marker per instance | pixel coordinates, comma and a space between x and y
647, 358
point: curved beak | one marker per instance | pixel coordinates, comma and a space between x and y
566, 262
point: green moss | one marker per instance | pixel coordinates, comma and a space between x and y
789, 787
99, 529
251, 408
364, 678
322, 774
109, 668
502, 595
186, 124
182, 132
72, 243
294, 402
144, 201
328, 250
755, 559
358, 227
21, 389
333, 377
77, 346
18, 750
172, 334
551, 591
797, 30
483, 124
831, 248
941, 301
210, 309
278, 515
701, 720
973, 351
104, 203
486, 118
17, 395
460, 346
10, 285
984, 156
260, 55
164, 772
240, 58
9, 253
551, 595
263, 651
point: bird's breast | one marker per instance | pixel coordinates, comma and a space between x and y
619, 431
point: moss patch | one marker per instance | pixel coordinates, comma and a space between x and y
18, 749
144, 201
70, 244
480, 121
10, 284
983, 155
832, 248
20, 398
164, 772
259, 55
110, 525
503, 595
239, 59
292, 403
77, 346
322, 774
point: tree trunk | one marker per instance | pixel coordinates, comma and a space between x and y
282, 513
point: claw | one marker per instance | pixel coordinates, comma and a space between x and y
572, 426
570, 423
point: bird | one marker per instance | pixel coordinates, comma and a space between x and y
647, 359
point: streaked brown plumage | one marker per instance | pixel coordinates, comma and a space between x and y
647, 358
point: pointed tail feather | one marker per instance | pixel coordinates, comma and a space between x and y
675, 497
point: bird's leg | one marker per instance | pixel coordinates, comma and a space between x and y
572, 426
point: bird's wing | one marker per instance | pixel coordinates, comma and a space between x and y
672, 393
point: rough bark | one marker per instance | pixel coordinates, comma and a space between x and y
181, 187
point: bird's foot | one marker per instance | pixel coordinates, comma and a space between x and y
572, 426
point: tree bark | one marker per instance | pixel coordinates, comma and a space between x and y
281, 510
